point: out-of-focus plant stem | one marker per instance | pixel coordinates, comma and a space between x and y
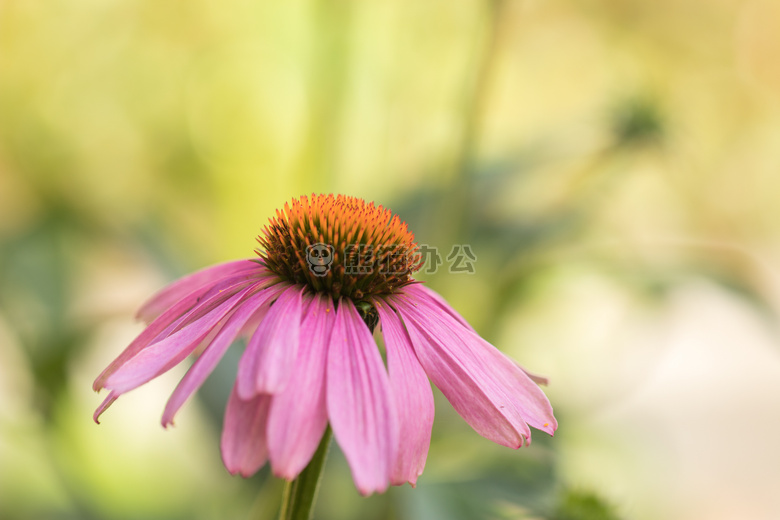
475, 103
300, 494
327, 71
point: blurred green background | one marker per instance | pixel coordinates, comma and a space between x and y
613, 165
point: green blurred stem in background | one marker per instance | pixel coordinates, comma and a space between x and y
300, 494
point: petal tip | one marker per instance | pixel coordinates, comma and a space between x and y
400, 482
245, 385
370, 490
283, 473
246, 473
242, 472
108, 401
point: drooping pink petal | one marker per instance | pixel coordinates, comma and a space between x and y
202, 279
215, 296
360, 405
243, 443
484, 386
420, 291
108, 401
166, 353
143, 339
254, 305
412, 395
270, 354
182, 312
534, 405
536, 378
299, 416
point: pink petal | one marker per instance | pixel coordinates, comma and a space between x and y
193, 282
536, 378
243, 443
139, 343
534, 405
268, 359
255, 305
166, 353
360, 404
484, 386
299, 416
215, 296
420, 291
185, 310
108, 401
412, 395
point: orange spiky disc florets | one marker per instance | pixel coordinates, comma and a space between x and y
340, 245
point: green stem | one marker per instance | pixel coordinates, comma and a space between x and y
300, 494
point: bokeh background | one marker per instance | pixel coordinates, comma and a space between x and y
613, 165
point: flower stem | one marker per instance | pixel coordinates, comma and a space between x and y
300, 494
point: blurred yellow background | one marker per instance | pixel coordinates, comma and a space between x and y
613, 165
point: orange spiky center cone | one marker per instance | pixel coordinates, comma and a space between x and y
340, 245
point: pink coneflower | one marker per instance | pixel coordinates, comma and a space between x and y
330, 269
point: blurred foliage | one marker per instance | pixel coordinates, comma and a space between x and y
637, 121
142, 140
577, 505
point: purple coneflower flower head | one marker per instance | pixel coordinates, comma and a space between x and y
330, 269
